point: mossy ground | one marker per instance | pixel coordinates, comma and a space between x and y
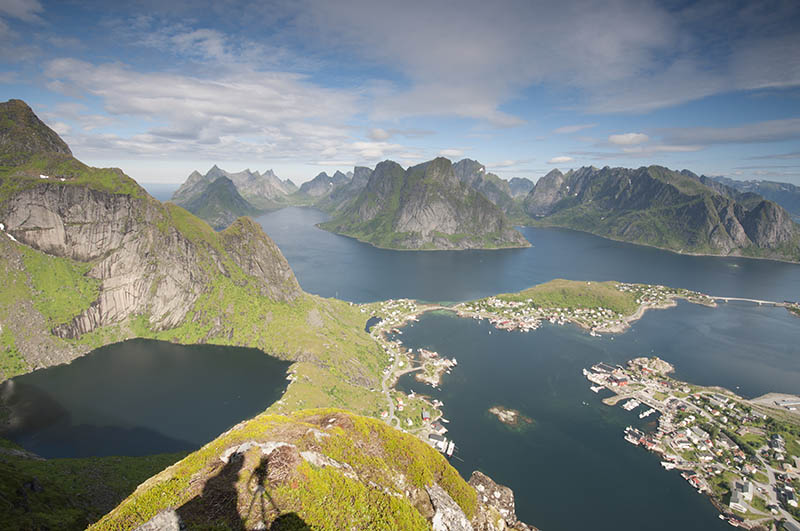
384, 460
573, 294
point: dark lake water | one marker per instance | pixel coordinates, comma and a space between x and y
575, 453
140, 397
337, 266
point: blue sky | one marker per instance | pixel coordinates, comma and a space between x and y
161, 88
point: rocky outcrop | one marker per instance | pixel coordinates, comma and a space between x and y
520, 187
665, 208
323, 184
497, 504
145, 263
263, 191
341, 196
473, 174
424, 207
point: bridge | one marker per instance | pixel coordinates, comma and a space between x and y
754, 301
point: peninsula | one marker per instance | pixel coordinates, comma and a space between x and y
425, 207
742, 453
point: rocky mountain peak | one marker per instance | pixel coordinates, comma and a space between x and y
23, 134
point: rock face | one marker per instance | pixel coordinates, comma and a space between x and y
473, 174
145, 264
343, 194
665, 208
150, 259
785, 194
499, 500
424, 207
520, 187
322, 184
23, 134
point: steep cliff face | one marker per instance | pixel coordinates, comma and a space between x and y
146, 256
520, 187
424, 207
786, 195
657, 206
22, 134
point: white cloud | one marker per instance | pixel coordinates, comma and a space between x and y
25, 10
767, 131
569, 129
560, 160
628, 139
379, 134
660, 148
451, 152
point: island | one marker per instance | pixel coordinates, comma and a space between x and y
743, 454
510, 417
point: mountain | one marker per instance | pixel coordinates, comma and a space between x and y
664, 208
220, 204
473, 174
315, 469
520, 186
263, 191
785, 194
322, 184
424, 207
341, 195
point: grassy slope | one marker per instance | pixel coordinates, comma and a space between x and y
68, 493
376, 452
560, 293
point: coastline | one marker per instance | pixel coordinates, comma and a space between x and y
538, 225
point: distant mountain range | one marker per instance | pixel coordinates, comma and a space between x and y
665, 208
424, 207
785, 194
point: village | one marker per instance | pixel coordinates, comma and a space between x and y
745, 455
507, 312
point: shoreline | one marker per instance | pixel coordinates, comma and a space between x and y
674, 251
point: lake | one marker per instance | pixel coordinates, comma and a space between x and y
139, 397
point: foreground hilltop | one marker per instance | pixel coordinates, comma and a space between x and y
320, 469
664, 208
424, 207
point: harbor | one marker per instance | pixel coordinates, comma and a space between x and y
727, 448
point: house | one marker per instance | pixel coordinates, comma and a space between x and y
426, 415
737, 503
744, 488
696, 434
791, 499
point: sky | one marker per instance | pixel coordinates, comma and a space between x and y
160, 88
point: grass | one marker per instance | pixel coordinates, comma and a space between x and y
324, 498
572, 294
68, 493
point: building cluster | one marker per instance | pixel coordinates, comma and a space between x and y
724, 448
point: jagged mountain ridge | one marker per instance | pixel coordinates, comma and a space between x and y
323, 184
473, 174
220, 204
657, 206
786, 195
424, 207
340, 196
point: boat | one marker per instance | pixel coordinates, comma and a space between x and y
450, 448
596, 388
647, 413
667, 465
631, 404
633, 436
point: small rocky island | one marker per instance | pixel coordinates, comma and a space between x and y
510, 417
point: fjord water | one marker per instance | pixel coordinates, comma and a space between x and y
572, 469
336, 266
139, 397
